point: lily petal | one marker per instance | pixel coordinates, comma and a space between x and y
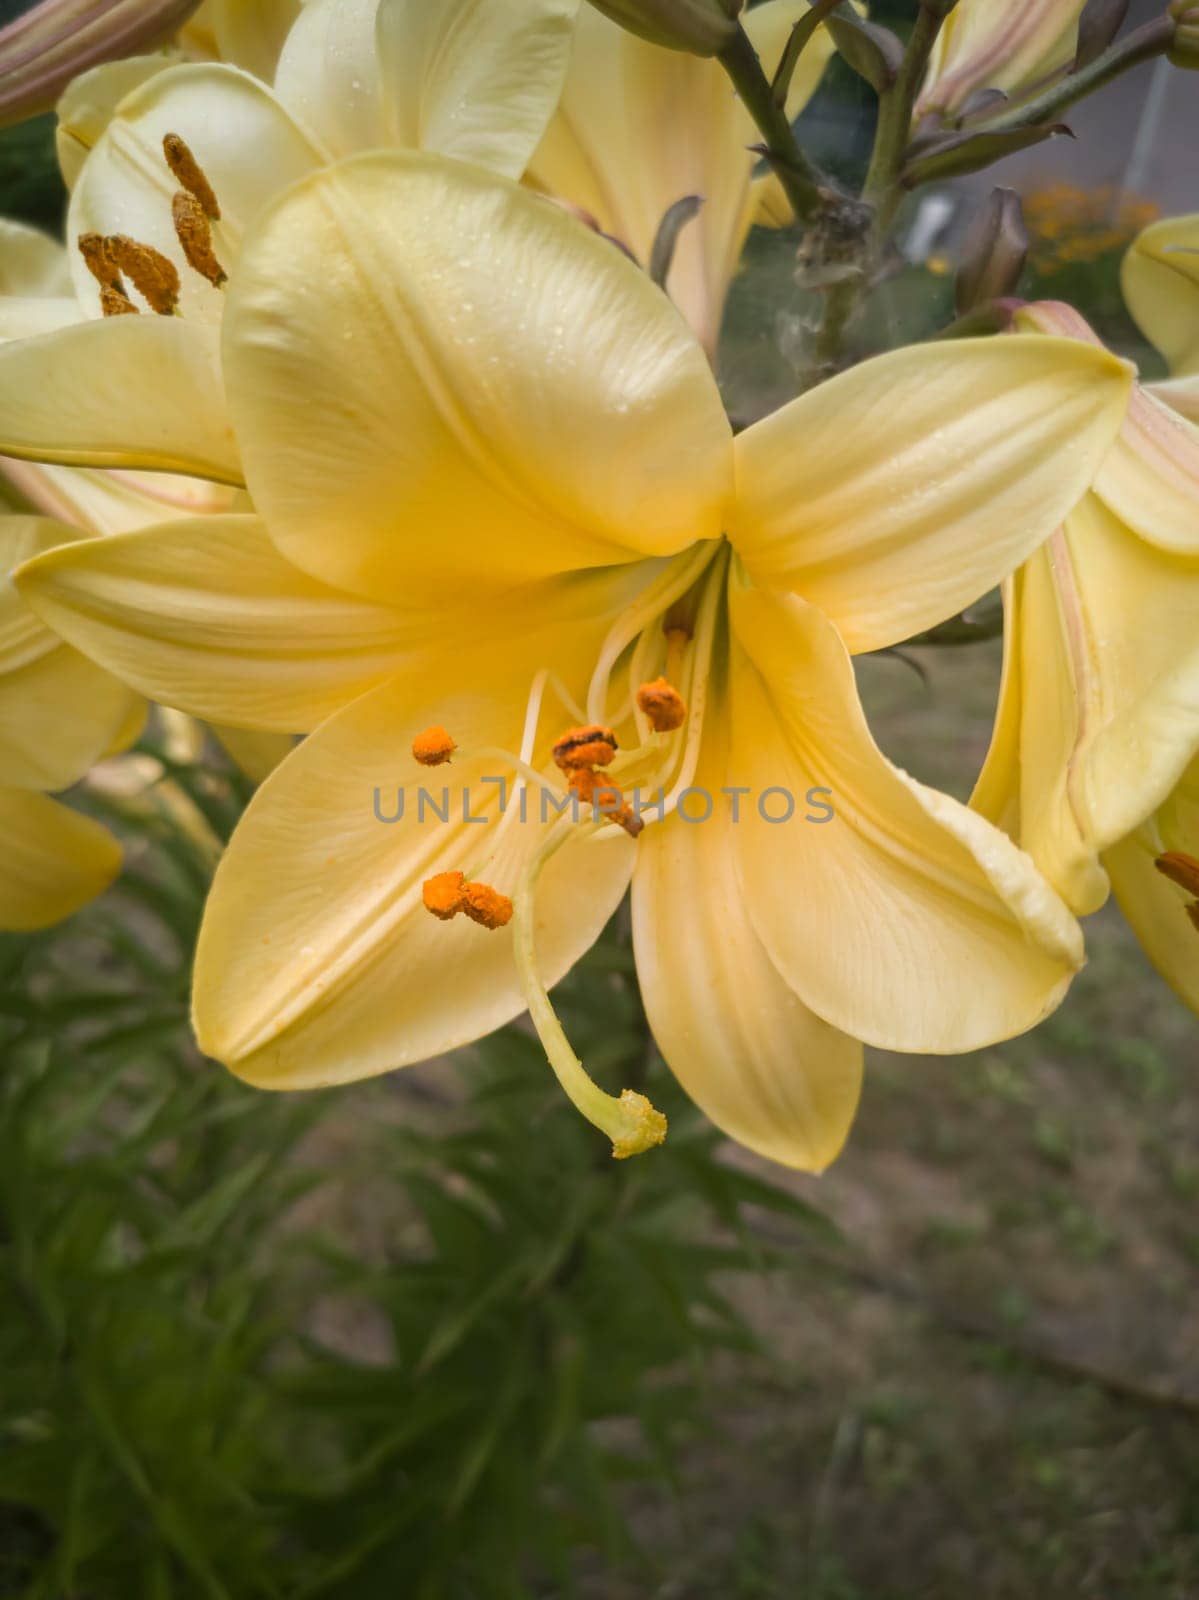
248, 146
113, 502
907, 921
251, 33
59, 712
317, 961
328, 74
1104, 623
88, 104
1008, 46
142, 392
474, 79
1156, 909
902, 490
513, 397
1160, 280
54, 860
204, 614
32, 264
756, 1061
1180, 394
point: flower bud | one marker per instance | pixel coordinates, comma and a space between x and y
1184, 47
997, 44
701, 27
994, 254
57, 40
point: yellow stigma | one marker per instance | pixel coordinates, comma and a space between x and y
646, 1126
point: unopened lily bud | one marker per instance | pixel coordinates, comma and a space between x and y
701, 27
995, 252
1184, 47
997, 44
43, 50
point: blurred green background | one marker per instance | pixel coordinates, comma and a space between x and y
423, 1338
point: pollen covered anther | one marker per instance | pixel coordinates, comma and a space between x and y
151, 274
663, 705
590, 746
606, 798
443, 894
195, 238
116, 303
646, 1127
188, 172
97, 257
486, 906
447, 893
433, 747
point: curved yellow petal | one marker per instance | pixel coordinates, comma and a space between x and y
1106, 628
904, 489
439, 380
747, 1050
204, 614
24, 316
328, 74
88, 104
317, 961
906, 920
59, 712
1157, 910
248, 146
474, 79
1150, 476
1160, 280
32, 264
142, 392
251, 33
257, 754
1180, 394
113, 502
54, 861
640, 127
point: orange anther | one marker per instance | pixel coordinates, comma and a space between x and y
93, 247
444, 894
149, 271
591, 746
663, 705
432, 747
115, 302
188, 171
486, 906
1180, 869
195, 238
606, 798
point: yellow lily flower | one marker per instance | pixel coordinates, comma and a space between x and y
59, 713
1098, 717
639, 127
1160, 279
498, 460
1011, 46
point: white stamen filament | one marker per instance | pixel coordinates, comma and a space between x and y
672, 585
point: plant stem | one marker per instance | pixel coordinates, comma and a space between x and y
882, 190
801, 181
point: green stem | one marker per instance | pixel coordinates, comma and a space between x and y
801, 181
882, 189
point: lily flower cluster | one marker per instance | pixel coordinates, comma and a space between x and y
353, 415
